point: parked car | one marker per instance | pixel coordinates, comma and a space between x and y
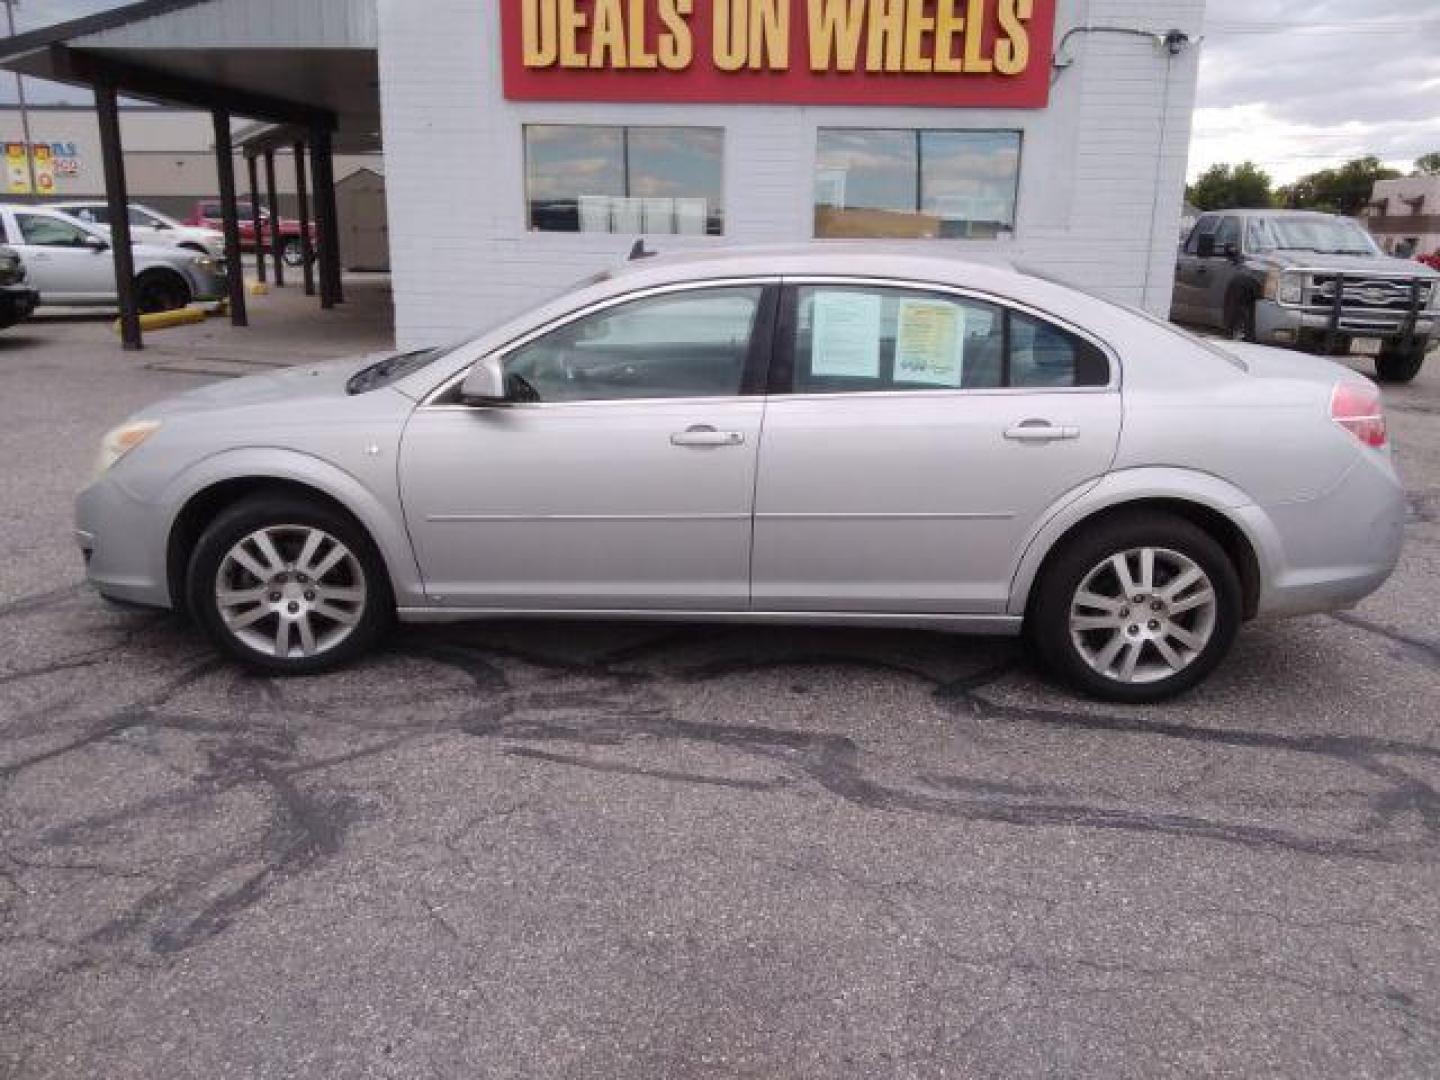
1308, 281
830, 434
207, 214
69, 263
17, 300
148, 226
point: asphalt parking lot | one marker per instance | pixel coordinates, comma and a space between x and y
615, 851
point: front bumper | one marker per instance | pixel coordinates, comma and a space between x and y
117, 536
1312, 330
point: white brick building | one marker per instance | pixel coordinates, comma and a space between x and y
1100, 177
528, 143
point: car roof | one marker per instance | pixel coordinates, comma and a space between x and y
870, 259
1262, 212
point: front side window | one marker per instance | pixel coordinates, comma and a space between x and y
1206, 226
655, 180
50, 232
677, 345
1228, 233
856, 339
908, 184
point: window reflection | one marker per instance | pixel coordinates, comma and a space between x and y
655, 180
916, 184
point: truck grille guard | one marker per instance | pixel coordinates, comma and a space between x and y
1341, 288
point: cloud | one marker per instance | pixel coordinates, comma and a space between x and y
1300, 85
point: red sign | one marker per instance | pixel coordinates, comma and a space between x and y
955, 53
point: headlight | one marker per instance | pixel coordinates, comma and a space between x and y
1285, 286
121, 441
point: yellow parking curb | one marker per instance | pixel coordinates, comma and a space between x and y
259, 288
161, 320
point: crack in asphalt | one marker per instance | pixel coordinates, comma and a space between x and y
623, 704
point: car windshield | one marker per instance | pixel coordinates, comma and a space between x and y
1326, 235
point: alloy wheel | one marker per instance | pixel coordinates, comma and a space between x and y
1143, 615
290, 591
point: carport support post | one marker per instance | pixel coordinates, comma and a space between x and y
322, 154
230, 218
258, 236
112, 154
273, 201
302, 197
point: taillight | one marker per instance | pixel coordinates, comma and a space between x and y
1356, 407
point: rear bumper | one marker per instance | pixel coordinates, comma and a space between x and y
17, 303
1329, 553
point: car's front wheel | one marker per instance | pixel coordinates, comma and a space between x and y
1398, 365
1139, 608
288, 586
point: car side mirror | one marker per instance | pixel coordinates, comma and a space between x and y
1205, 246
1232, 251
485, 385
95, 244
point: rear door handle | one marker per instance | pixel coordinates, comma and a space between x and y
1040, 431
705, 435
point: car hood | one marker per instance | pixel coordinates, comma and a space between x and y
1346, 264
304, 382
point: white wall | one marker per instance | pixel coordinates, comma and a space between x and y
1102, 169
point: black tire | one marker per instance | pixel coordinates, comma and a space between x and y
1240, 317
161, 290
1395, 366
1048, 621
292, 251
373, 615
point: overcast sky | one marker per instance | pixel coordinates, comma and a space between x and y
1298, 85
1294, 85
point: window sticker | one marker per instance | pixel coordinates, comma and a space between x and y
846, 336
930, 343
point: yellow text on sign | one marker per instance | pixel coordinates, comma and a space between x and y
903, 36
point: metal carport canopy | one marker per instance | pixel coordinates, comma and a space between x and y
313, 65
275, 60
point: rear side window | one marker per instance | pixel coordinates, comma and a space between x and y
1228, 233
855, 339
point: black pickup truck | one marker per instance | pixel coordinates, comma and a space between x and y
1308, 281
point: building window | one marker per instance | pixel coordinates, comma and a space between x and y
633, 180
904, 184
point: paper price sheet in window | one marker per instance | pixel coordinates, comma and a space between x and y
930, 343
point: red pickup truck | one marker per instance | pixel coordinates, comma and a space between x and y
206, 214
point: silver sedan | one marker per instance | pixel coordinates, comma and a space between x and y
826, 434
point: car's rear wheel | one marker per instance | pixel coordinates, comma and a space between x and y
288, 586
160, 290
1137, 609
1399, 366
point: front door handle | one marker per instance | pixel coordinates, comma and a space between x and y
705, 435
1040, 431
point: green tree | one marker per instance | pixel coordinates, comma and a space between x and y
1230, 187
1428, 164
1345, 190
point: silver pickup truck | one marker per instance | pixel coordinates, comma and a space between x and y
1308, 281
